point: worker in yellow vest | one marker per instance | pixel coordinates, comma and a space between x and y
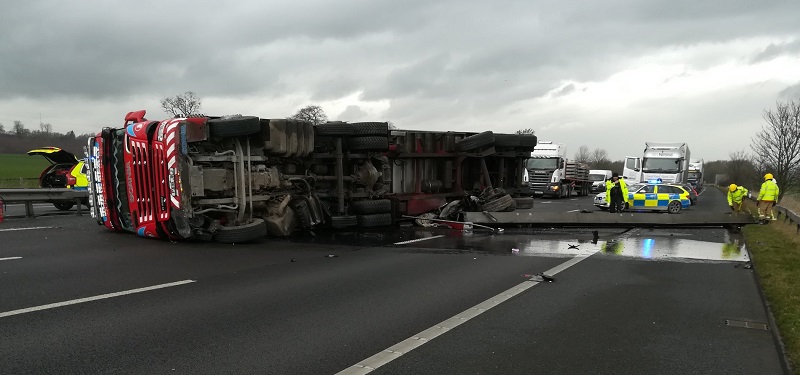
736, 196
767, 198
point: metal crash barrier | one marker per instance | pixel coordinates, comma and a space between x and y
30, 196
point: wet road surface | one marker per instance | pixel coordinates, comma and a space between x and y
626, 301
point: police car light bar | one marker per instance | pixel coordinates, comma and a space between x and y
654, 181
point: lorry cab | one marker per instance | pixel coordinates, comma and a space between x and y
632, 169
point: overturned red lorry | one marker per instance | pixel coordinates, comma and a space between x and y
237, 178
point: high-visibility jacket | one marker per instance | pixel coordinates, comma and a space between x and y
769, 191
737, 195
622, 185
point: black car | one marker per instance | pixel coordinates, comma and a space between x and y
692, 193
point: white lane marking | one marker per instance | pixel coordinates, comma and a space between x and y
95, 298
10, 258
423, 337
547, 202
418, 240
29, 228
576, 210
574, 199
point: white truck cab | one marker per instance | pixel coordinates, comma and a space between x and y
598, 178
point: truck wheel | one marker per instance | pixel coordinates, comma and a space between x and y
344, 221
369, 144
334, 129
524, 203
498, 204
376, 220
256, 228
493, 194
368, 207
511, 207
371, 128
234, 126
63, 206
527, 140
475, 141
506, 140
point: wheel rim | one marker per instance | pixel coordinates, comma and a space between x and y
674, 207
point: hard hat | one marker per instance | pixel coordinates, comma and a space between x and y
768, 176
732, 187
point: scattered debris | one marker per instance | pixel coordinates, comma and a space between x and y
293, 260
540, 277
514, 250
585, 211
745, 265
331, 256
573, 246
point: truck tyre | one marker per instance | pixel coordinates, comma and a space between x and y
334, 129
511, 207
369, 207
376, 220
234, 126
506, 140
498, 204
369, 144
524, 203
256, 228
474, 141
371, 128
344, 221
490, 195
527, 140
63, 206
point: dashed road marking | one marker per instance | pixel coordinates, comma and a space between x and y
11, 258
413, 342
418, 240
575, 210
95, 298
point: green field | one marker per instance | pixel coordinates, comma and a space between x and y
21, 170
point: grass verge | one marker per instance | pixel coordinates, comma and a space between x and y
775, 250
15, 166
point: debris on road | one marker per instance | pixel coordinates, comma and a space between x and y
515, 250
331, 256
573, 246
540, 277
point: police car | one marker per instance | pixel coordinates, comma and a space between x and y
651, 196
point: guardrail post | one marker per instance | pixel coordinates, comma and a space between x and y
78, 206
29, 209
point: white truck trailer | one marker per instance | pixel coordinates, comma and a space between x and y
550, 173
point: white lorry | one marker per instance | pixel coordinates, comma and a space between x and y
667, 162
696, 173
598, 178
550, 173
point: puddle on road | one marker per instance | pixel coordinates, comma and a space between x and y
636, 246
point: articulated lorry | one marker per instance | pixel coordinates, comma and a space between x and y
238, 178
695, 173
667, 162
550, 173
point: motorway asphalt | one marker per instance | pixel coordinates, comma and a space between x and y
632, 302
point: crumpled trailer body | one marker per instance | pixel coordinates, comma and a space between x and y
238, 178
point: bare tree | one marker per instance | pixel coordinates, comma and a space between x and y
583, 155
19, 129
599, 157
182, 105
740, 169
45, 128
392, 126
777, 145
311, 113
526, 131
2, 128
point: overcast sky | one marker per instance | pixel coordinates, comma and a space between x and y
607, 74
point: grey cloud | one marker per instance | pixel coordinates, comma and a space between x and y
790, 93
776, 50
566, 90
352, 113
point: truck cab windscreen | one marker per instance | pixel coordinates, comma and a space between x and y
597, 177
543, 163
659, 165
